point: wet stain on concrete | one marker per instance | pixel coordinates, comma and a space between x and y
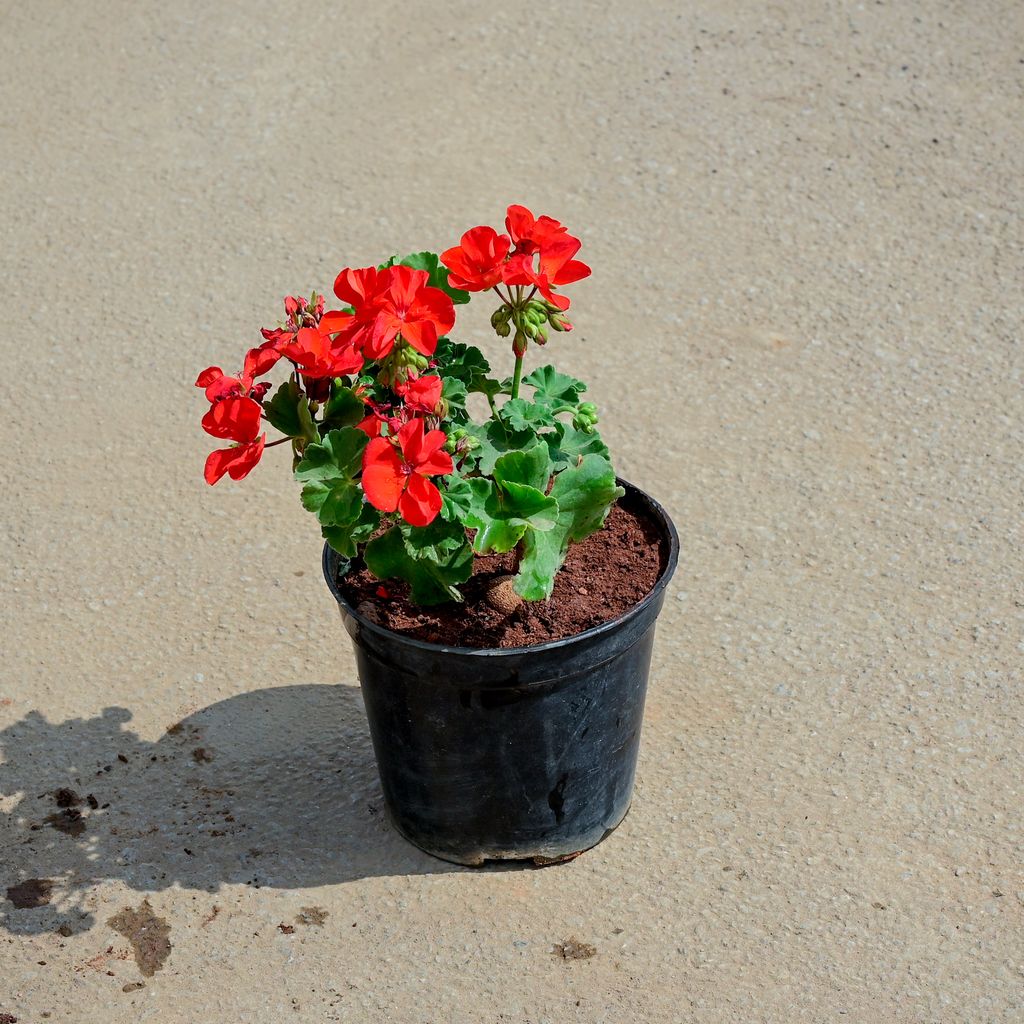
33, 892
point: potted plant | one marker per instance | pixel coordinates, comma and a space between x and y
499, 582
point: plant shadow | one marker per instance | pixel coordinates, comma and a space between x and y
277, 788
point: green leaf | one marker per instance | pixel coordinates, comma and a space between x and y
282, 410
456, 498
338, 457
568, 445
334, 502
437, 540
343, 409
431, 581
496, 438
556, 391
453, 391
346, 537
463, 362
522, 415
495, 532
307, 427
503, 510
431, 263
585, 493
531, 467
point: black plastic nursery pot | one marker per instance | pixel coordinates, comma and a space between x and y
525, 753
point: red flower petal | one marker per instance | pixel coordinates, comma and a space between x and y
572, 271
336, 322
475, 264
518, 222
420, 503
421, 394
236, 462
370, 425
423, 451
383, 474
235, 418
261, 360
356, 288
404, 283
422, 335
209, 376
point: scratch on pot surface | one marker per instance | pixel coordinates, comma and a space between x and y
148, 935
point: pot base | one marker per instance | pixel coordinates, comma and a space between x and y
545, 856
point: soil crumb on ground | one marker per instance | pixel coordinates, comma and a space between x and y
573, 949
603, 577
69, 821
33, 892
148, 934
311, 916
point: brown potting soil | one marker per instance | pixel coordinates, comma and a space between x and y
603, 577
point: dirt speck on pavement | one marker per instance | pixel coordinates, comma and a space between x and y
573, 949
148, 934
312, 916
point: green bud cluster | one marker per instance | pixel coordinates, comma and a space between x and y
531, 322
585, 417
461, 442
395, 366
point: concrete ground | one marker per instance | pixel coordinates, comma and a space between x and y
804, 333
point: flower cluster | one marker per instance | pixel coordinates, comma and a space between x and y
374, 408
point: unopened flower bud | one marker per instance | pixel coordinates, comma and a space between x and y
500, 315
541, 337
454, 439
585, 417
520, 343
503, 330
558, 322
530, 328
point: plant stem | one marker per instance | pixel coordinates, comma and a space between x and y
517, 376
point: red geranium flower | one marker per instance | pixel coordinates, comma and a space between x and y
388, 303
554, 266
237, 462
395, 471
531, 234
421, 394
317, 357
237, 418
476, 263
258, 361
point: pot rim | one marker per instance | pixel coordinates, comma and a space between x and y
331, 557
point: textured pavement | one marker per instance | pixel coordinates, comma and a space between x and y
804, 335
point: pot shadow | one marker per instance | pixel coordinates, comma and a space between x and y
277, 787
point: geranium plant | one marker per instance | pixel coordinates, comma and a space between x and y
375, 414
